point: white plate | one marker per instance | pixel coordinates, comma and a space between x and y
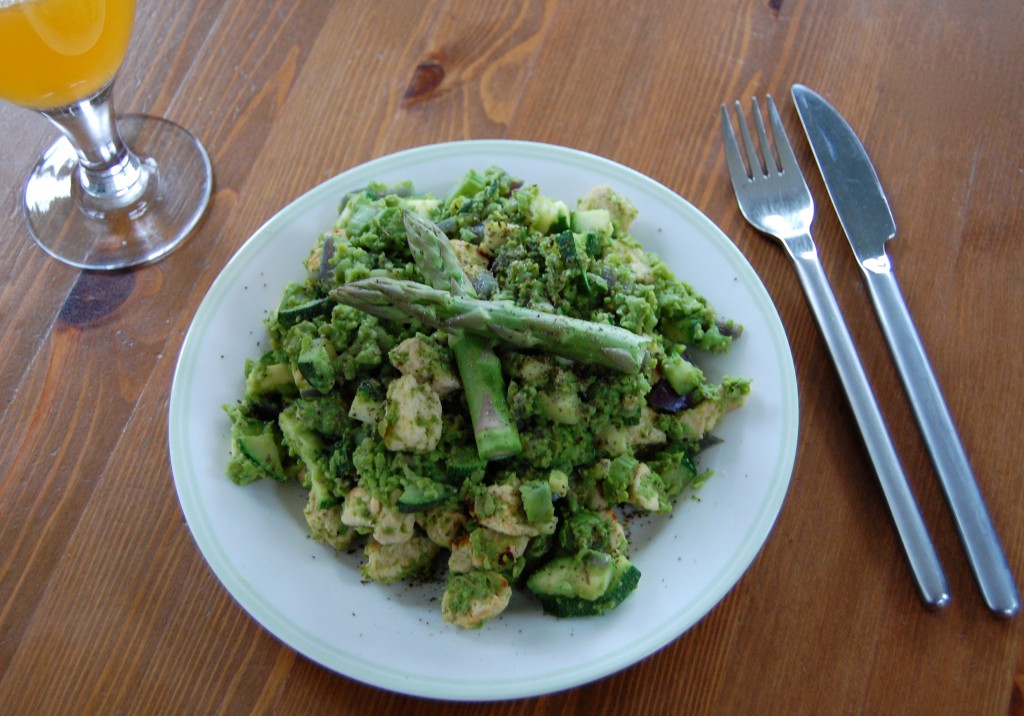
255, 539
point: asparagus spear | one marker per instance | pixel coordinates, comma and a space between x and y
482, 382
572, 338
434, 255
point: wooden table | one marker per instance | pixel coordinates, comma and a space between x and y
107, 606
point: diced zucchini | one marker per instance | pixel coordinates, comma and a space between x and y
597, 221
619, 478
262, 449
681, 374
564, 592
471, 183
306, 311
309, 448
586, 575
567, 248
537, 502
425, 494
269, 379
572, 249
548, 215
593, 243
678, 470
317, 366
254, 450
463, 462
302, 441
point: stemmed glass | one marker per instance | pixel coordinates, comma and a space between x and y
91, 201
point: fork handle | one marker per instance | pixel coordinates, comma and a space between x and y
977, 533
917, 544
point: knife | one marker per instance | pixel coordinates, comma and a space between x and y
867, 220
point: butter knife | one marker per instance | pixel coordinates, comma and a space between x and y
867, 220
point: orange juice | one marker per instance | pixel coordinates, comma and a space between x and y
56, 52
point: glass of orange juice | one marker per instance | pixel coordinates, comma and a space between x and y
109, 193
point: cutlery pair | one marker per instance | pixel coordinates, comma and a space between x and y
774, 198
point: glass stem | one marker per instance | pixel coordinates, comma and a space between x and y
110, 176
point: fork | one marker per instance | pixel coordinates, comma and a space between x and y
774, 198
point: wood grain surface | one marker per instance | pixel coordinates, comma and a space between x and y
107, 606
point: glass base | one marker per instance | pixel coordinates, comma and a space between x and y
179, 184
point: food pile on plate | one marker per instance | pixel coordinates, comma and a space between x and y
489, 379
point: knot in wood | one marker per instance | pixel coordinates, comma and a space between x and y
95, 296
427, 77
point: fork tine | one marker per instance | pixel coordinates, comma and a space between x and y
787, 159
770, 167
737, 168
753, 156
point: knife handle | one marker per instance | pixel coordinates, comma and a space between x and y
917, 544
977, 533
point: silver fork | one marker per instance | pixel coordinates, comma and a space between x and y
774, 198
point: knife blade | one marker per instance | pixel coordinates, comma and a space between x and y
867, 220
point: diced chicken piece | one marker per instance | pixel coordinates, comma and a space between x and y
393, 527
636, 261
442, 526
473, 259
486, 549
500, 508
645, 433
471, 599
412, 416
643, 493
618, 206
325, 524
395, 562
425, 361
702, 418
360, 510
